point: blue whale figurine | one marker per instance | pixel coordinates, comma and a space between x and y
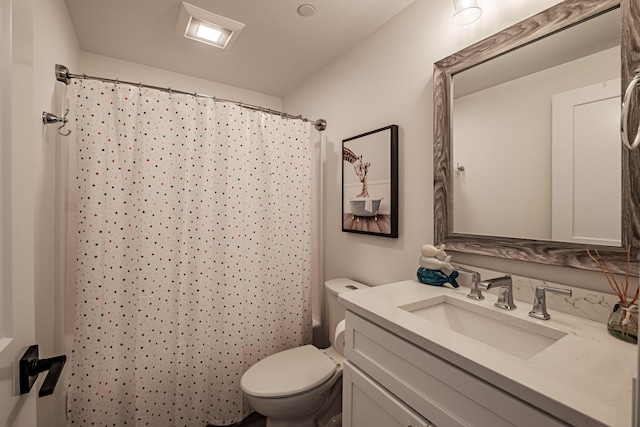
437, 277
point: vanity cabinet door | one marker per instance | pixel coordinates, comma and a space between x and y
367, 404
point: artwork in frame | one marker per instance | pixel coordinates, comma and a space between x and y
370, 183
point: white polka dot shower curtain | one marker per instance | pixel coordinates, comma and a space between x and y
194, 254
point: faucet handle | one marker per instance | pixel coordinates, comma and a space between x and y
474, 293
539, 310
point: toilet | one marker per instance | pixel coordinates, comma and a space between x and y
302, 387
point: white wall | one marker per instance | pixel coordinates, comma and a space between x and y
54, 42
388, 79
17, 236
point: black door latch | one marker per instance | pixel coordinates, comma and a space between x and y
31, 366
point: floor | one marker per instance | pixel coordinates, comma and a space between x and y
253, 420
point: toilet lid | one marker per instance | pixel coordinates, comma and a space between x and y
288, 373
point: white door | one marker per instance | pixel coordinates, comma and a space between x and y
17, 317
586, 165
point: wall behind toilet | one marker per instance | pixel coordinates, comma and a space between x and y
388, 79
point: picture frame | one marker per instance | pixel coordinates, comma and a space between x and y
370, 183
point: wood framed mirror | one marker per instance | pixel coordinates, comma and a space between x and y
567, 15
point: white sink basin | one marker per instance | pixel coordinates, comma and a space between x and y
502, 331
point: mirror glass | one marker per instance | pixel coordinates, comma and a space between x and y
535, 142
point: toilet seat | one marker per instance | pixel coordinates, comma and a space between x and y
288, 373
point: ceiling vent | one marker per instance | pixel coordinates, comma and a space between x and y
207, 27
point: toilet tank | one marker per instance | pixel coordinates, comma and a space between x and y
335, 310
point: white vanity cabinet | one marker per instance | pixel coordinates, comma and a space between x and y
367, 404
389, 381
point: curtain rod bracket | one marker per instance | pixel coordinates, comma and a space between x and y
62, 74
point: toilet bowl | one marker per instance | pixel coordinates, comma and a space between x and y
302, 387
293, 387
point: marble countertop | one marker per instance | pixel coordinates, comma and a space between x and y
585, 378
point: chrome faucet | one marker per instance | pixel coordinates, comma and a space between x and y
505, 293
539, 310
474, 293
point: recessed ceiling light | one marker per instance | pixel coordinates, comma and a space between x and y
306, 10
207, 27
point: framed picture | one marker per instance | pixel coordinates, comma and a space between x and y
370, 183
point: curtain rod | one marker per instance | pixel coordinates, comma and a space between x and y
63, 75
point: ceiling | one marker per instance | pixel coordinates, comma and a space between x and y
276, 50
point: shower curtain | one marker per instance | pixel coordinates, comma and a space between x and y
194, 253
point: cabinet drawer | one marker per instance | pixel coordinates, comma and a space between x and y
366, 404
434, 388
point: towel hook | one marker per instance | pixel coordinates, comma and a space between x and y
49, 118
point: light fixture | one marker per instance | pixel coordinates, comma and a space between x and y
466, 11
208, 33
207, 27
